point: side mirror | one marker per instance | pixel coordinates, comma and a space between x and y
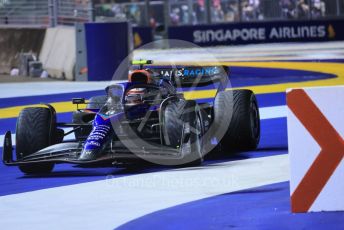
78, 101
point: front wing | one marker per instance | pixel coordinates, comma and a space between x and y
68, 152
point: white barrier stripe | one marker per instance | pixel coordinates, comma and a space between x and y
27, 89
2, 138
273, 112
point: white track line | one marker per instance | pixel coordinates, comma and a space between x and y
265, 113
109, 203
273, 112
253, 52
21, 89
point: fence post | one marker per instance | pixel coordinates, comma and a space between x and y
147, 13
51, 13
52, 4
240, 10
56, 11
208, 11
310, 5
91, 14
190, 10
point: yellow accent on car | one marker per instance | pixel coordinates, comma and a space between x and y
141, 62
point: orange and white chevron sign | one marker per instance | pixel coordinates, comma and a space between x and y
316, 148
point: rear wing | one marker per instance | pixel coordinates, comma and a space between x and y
191, 76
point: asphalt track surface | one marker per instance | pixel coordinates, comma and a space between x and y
249, 190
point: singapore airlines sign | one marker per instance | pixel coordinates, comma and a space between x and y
259, 34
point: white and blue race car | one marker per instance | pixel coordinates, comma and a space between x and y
146, 119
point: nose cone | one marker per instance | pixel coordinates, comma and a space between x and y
97, 139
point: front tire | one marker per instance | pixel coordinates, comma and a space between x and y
182, 129
35, 130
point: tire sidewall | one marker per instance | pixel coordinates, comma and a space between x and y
35, 130
188, 114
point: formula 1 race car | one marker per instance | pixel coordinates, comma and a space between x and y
146, 118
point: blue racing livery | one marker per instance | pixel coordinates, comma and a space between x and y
144, 119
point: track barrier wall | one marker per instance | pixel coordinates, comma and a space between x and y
58, 52
56, 48
13, 41
107, 45
59, 61
316, 148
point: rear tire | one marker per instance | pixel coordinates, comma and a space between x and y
243, 133
177, 115
35, 130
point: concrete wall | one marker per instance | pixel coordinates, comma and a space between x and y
16, 40
58, 52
